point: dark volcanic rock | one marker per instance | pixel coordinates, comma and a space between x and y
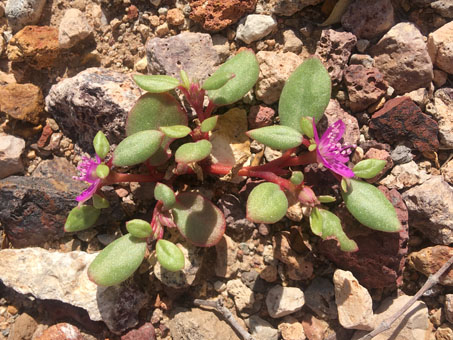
400, 120
320, 297
234, 212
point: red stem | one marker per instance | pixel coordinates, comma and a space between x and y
116, 177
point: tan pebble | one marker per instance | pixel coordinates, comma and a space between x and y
31, 154
12, 310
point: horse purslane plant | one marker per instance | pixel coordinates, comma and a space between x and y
159, 118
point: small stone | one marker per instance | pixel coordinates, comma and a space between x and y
284, 7
334, 49
429, 260
23, 12
362, 59
269, 273
145, 332
419, 97
362, 45
226, 259
402, 57
320, 298
215, 16
175, 17
193, 52
162, 30
444, 332
275, 69
234, 211
443, 102
400, 120
355, 307
405, 176
402, 154
440, 47
243, 295
282, 301
430, 208
368, 19
73, 28
23, 328
448, 308
314, 329
11, 149
291, 329
22, 101
141, 65
291, 42
261, 329
35, 45
255, 27
61, 331
260, 116
439, 77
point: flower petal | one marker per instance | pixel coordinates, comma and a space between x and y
340, 169
88, 193
333, 133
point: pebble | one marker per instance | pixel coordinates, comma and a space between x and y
23, 328
23, 12
320, 298
401, 154
243, 295
73, 28
260, 116
226, 259
282, 301
175, 17
404, 176
145, 332
443, 103
444, 332
362, 45
448, 308
291, 42
291, 329
261, 329
440, 47
11, 149
429, 260
23, 102
61, 331
362, 59
284, 7
255, 27
439, 77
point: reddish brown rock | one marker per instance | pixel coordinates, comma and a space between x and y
216, 15
379, 262
145, 332
333, 113
175, 17
45, 135
429, 260
260, 116
402, 120
61, 331
22, 101
365, 86
35, 45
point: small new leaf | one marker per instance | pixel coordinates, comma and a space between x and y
139, 228
81, 218
101, 145
165, 194
316, 222
267, 203
209, 124
102, 171
193, 152
100, 202
297, 177
326, 199
277, 137
331, 228
217, 80
169, 255
156, 83
175, 131
306, 126
368, 168
184, 79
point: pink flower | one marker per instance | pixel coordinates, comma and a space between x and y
330, 152
87, 173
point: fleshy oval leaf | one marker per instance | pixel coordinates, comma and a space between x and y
100, 202
306, 94
165, 194
102, 171
139, 228
277, 137
209, 124
81, 218
137, 148
297, 177
332, 229
193, 152
101, 145
267, 203
217, 80
175, 131
184, 79
118, 261
198, 220
245, 66
370, 207
316, 222
156, 83
368, 168
169, 255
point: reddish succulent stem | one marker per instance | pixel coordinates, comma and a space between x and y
116, 177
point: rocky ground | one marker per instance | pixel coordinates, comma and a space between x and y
65, 73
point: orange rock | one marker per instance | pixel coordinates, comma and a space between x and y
22, 101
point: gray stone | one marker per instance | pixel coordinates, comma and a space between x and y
404, 176
95, 99
73, 28
199, 324
402, 56
291, 42
58, 276
443, 102
443, 7
255, 27
368, 19
192, 52
320, 297
334, 49
430, 208
261, 329
402, 154
282, 301
11, 149
243, 295
23, 12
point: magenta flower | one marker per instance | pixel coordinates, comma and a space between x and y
87, 173
330, 152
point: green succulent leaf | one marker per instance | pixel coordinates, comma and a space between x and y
137, 148
198, 220
102, 171
118, 261
193, 152
139, 228
297, 177
331, 229
306, 126
370, 207
368, 168
184, 79
277, 137
81, 218
209, 124
156, 83
305, 94
101, 145
266, 203
169, 255
100, 202
316, 222
217, 80
175, 131
165, 194
326, 199
245, 66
